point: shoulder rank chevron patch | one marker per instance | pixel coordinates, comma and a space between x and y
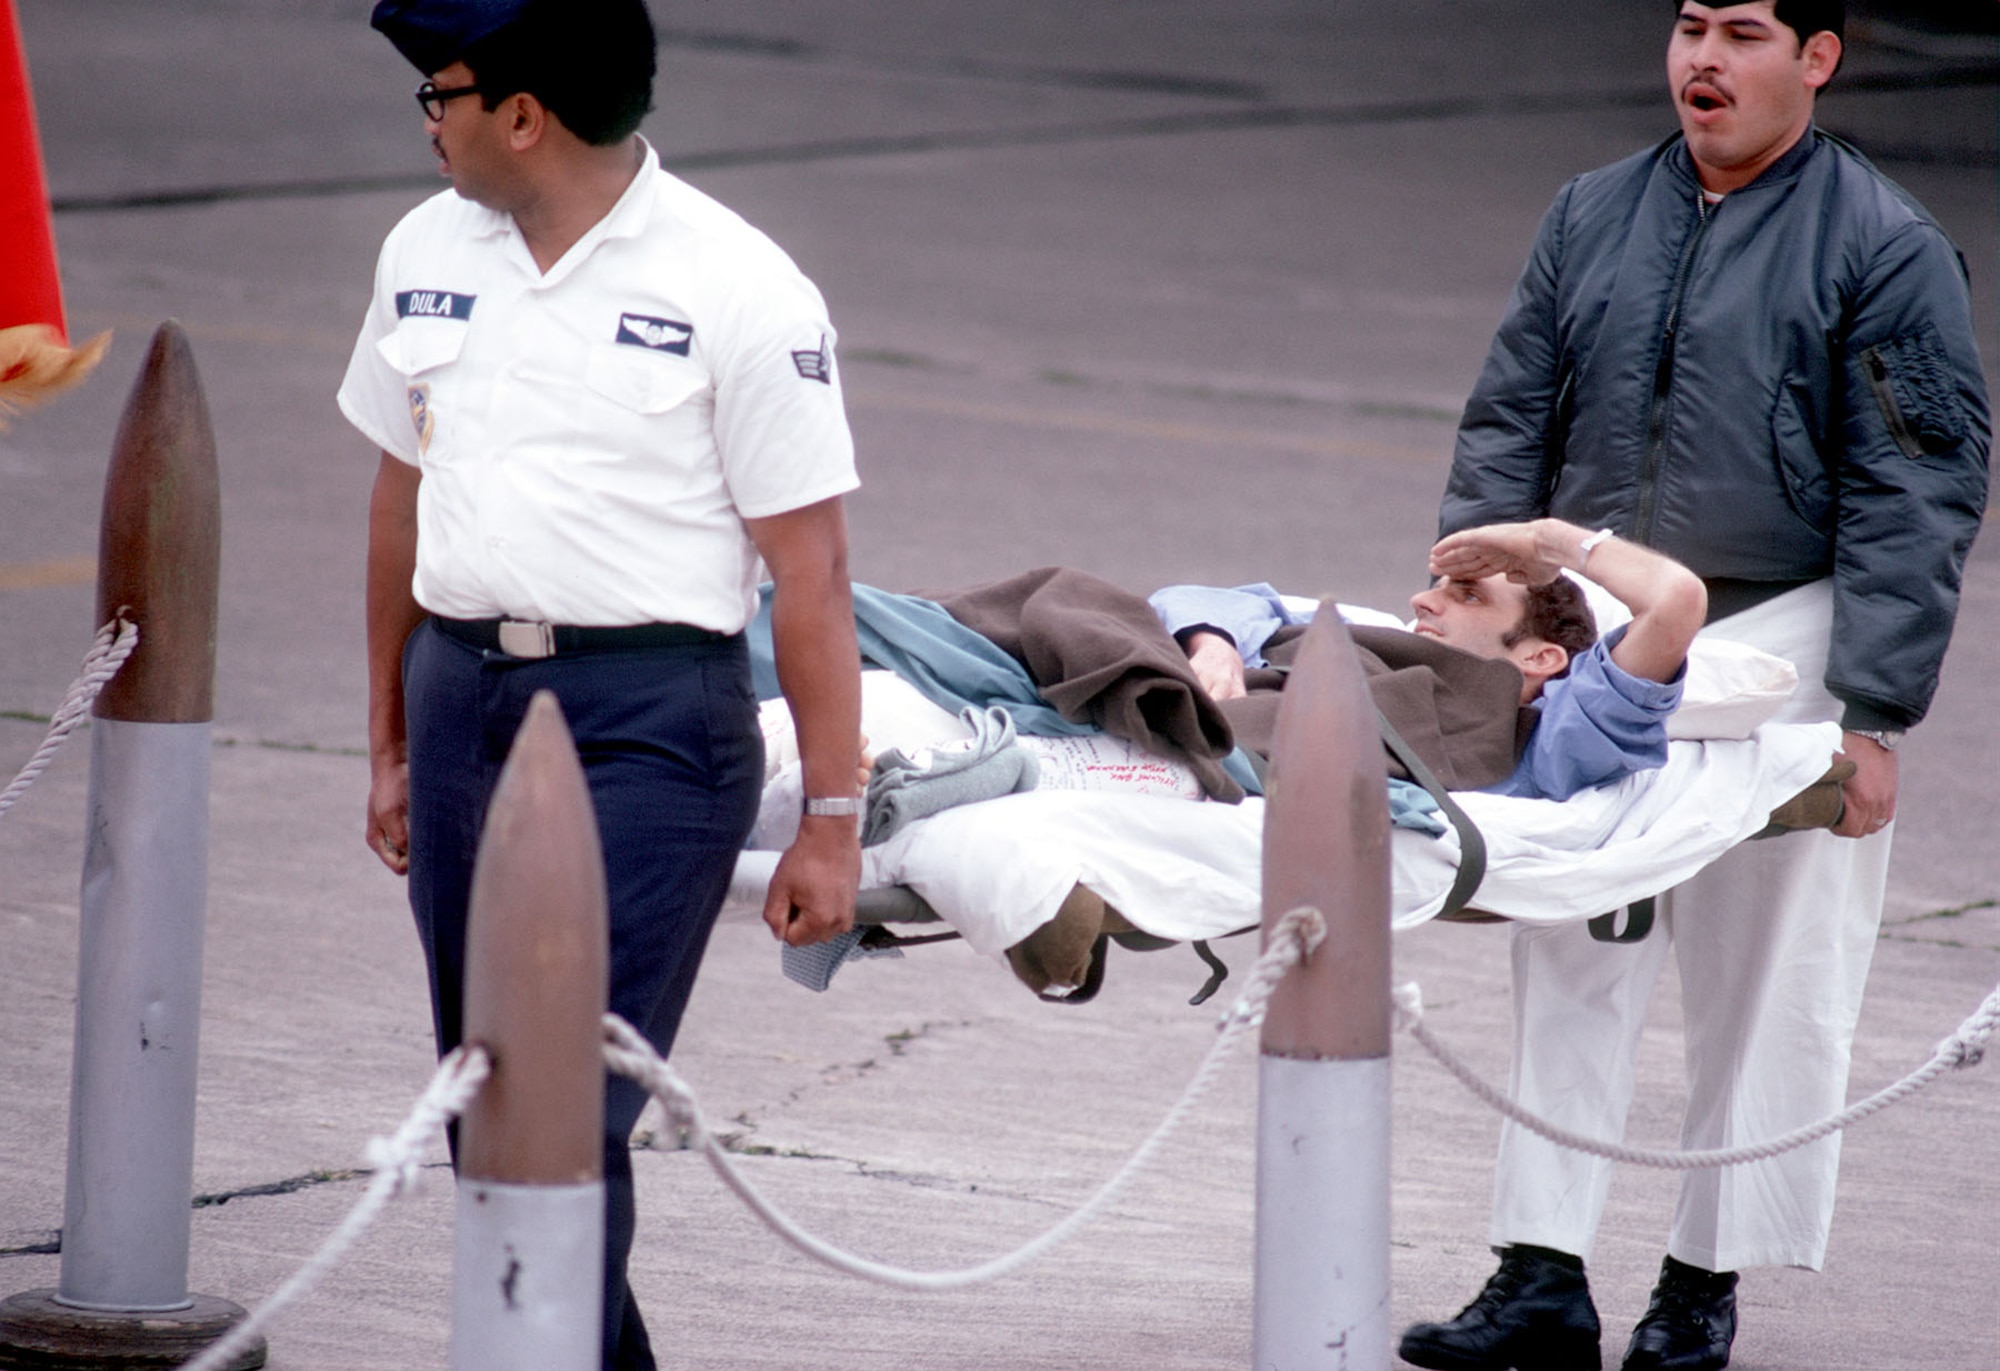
816, 365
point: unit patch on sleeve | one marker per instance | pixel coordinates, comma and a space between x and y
433, 304
661, 335
816, 365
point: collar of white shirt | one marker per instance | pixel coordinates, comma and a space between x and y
627, 218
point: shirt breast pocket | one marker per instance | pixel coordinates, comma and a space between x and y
416, 346
641, 380
419, 350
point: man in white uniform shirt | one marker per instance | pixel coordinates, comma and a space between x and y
601, 399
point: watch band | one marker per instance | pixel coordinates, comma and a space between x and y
1884, 738
834, 806
1589, 545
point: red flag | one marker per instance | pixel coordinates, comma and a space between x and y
35, 357
29, 290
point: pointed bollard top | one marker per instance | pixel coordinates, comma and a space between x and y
159, 551
1326, 844
535, 968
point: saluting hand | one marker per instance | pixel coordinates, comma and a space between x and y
1520, 552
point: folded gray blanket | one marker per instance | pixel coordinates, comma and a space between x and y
813, 966
992, 763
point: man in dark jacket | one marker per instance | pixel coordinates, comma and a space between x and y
1750, 350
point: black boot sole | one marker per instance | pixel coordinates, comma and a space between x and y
1566, 1354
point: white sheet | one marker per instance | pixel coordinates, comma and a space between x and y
998, 870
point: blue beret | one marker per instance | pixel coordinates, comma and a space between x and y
435, 33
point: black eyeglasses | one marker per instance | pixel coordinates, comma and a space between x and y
431, 98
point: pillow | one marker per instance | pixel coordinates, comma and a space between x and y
896, 714
1731, 687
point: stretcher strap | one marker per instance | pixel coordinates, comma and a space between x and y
1638, 923
1472, 849
1471, 842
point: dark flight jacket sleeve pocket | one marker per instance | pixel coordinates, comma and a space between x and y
1914, 389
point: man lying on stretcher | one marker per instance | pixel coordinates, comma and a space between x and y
1045, 878
1500, 593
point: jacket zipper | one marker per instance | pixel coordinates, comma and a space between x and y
1646, 511
1885, 397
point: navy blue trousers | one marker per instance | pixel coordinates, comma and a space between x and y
675, 762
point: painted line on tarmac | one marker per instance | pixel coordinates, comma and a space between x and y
259, 335
57, 571
1092, 421
1152, 126
1210, 435
736, 43
1955, 55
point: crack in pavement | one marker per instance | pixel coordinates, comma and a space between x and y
1950, 912
289, 1186
741, 1142
1954, 943
48, 1241
737, 1144
840, 1073
1892, 929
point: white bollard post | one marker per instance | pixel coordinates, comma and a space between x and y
126, 1211
1322, 1278
528, 1275
122, 1298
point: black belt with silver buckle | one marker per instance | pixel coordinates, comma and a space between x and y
519, 638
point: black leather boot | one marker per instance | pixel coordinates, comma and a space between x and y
1535, 1314
1689, 1323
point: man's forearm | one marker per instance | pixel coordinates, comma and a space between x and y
812, 637
1913, 445
392, 610
819, 670
1668, 602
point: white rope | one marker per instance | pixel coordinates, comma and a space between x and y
398, 1160
1294, 937
114, 643
398, 1164
1966, 1047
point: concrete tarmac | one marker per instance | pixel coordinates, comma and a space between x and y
1170, 291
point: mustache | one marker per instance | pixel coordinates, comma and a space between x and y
1709, 78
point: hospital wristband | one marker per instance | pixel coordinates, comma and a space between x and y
1589, 545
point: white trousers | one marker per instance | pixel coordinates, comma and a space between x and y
1773, 942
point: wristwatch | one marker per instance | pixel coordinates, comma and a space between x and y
1884, 738
1589, 545
834, 806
